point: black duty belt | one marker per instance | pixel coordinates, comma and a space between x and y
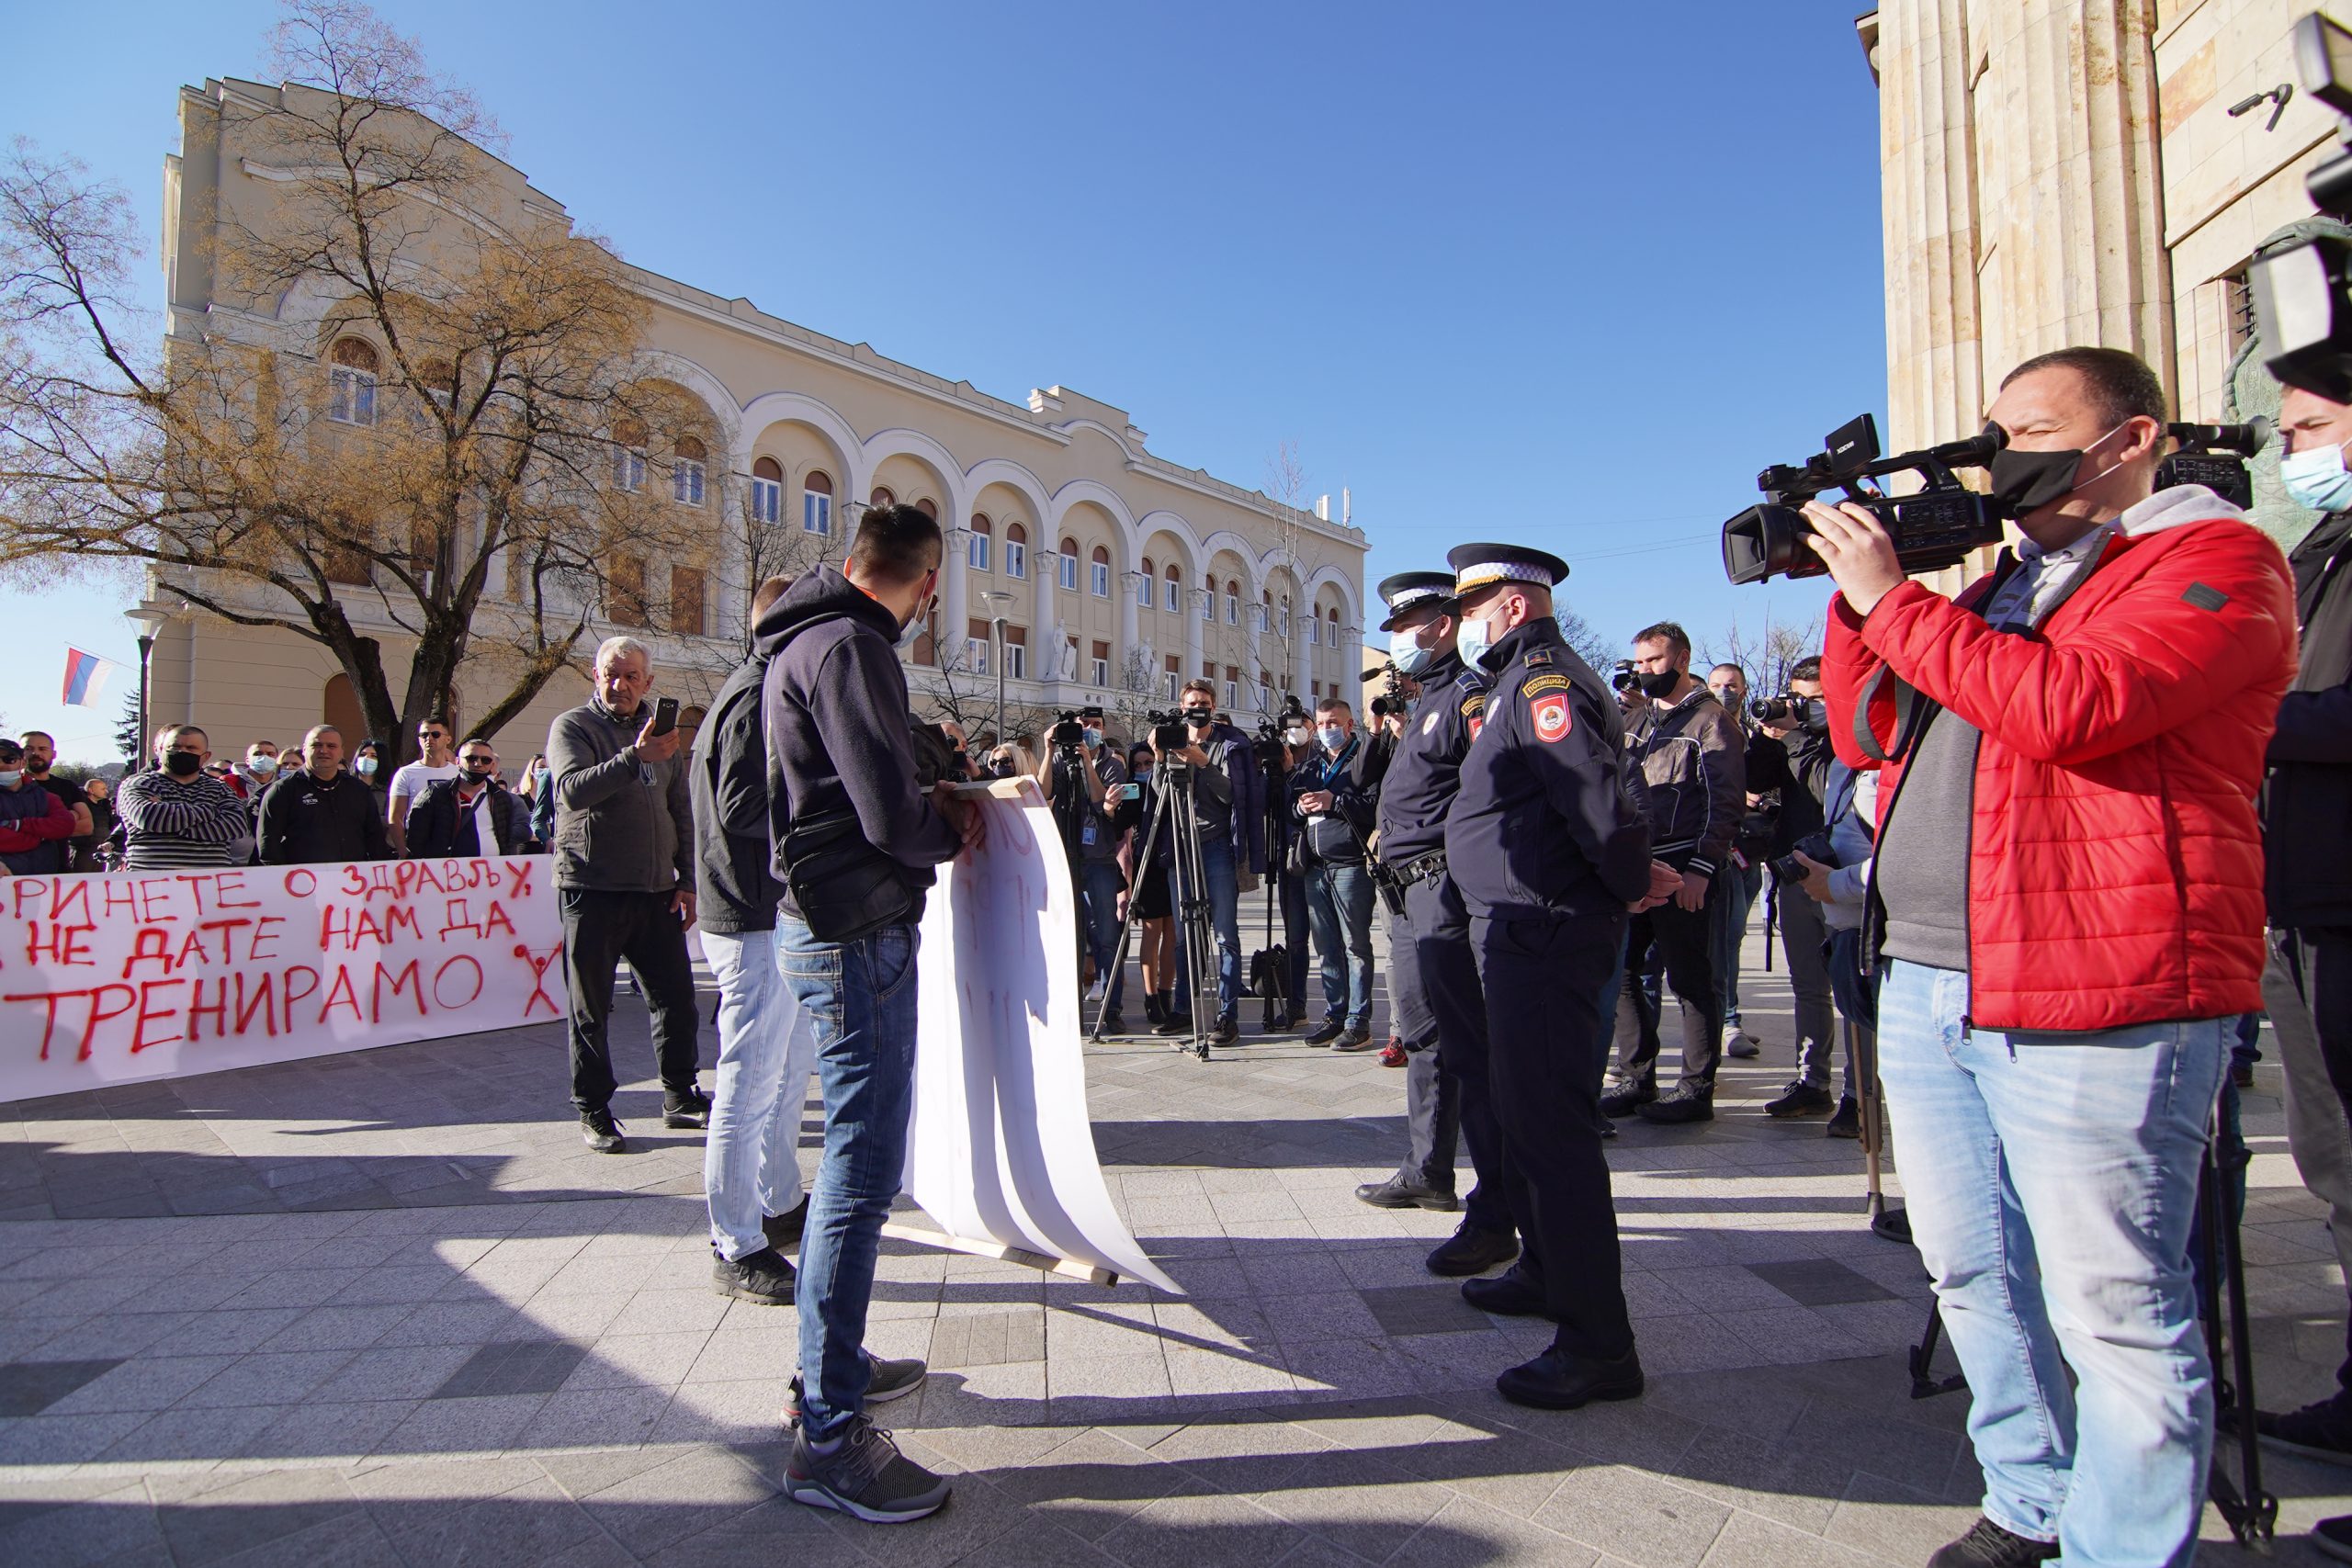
1426, 866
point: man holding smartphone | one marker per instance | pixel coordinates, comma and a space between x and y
624, 874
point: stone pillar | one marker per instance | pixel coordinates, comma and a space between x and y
1194, 641
1935, 381
955, 593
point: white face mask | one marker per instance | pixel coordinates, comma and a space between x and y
1298, 735
1333, 737
1472, 642
1405, 652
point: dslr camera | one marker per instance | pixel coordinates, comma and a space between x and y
1934, 527
1786, 708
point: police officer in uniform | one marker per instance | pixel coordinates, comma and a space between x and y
1435, 1004
1551, 850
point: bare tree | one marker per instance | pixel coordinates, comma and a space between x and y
1591, 646
1287, 488
1765, 657
471, 444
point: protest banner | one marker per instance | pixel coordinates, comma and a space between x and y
153, 974
1002, 1148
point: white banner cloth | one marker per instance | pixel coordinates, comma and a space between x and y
1001, 1147
158, 975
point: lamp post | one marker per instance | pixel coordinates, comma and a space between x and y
998, 599
147, 618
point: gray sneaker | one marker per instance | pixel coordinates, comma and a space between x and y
891, 1378
865, 1476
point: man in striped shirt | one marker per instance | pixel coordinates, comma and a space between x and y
180, 816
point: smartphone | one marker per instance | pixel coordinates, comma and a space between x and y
1131, 792
665, 714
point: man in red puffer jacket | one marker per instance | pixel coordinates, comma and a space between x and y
2066, 910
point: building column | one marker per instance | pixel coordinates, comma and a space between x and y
1303, 654
955, 591
1130, 627
1195, 641
1045, 648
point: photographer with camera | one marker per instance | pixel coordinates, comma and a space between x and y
1438, 1012
1335, 794
2067, 920
1690, 764
1082, 777
1790, 757
1226, 799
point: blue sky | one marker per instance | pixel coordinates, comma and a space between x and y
1565, 274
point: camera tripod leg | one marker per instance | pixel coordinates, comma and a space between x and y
1127, 926
2251, 1513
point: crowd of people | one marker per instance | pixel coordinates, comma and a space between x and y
2036, 854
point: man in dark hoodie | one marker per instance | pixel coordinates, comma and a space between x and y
2307, 826
848, 813
767, 1048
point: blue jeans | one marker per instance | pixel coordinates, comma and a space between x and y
1100, 883
1224, 919
751, 1163
2051, 1180
1339, 909
860, 996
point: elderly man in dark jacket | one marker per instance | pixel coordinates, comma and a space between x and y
2306, 829
623, 849
767, 1048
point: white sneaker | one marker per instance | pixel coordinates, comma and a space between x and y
1738, 1041
1094, 991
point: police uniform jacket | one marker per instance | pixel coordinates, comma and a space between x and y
1546, 824
1427, 768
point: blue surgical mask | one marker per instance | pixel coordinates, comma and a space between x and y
1405, 652
2317, 478
1333, 737
262, 767
1472, 643
365, 767
11, 777
1092, 737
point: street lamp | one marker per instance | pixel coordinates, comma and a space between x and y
148, 618
998, 600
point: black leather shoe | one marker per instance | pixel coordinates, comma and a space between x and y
1469, 1251
1988, 1545
1325, 1032
1799, 1099
782, 1230
1398, 1192
1559, 1380
1509, 1294
1626, 1098
1678, 1110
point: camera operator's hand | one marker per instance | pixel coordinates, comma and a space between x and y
652, 748
965, 814
1664, 881
1816, 877
1855, 547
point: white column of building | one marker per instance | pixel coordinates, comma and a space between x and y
1251, 666
1130, 629
1303, 653
1194, 638
955, 593
1044, 652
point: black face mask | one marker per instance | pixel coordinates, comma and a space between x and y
2024, 481
1660, 685
182, 764
1200, 718
1815, 716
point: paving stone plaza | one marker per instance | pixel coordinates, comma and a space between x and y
384, 1308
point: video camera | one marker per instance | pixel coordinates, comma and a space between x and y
1391, 699
2302, 295
1168, 729
1936, 526
1067, 731
1623, 677
2215, 456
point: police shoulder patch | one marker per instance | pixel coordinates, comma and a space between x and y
1474, 704
1536, 685
1549, 714
1539, 658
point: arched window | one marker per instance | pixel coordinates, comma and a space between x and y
1232, 609
1175, 599
1208, 599
351, 382
928, 508
1066, 567
882, 496
1266, 610
686, 472
1147, 585
1314, 630
1332, 624
768, 491
628, 454
1016, 550
977, 556
1098, 575
817, 503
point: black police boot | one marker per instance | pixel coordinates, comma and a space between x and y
1625, 1098
1685, 1106
1402, 1191
1988, 1545
1470, 1251
1561, 1380
1799, 1099
1512, 1293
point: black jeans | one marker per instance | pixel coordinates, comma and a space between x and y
599, 930
1686, 938
1549, 987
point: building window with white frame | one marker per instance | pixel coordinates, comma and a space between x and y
628, 456
976, 555
1016, 661
976, 655
1016, 550
1233, 604
1147, 584
687, 474
767, 492
351, 382
1314, 636
1098, 573
1065, 566
817, 503
1208, 602
1232, 690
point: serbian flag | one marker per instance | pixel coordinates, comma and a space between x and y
86, 677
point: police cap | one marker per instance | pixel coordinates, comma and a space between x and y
1416, 590
1475, 566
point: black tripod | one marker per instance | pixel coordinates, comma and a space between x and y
1273, 962
1171, 803
2251, 1511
